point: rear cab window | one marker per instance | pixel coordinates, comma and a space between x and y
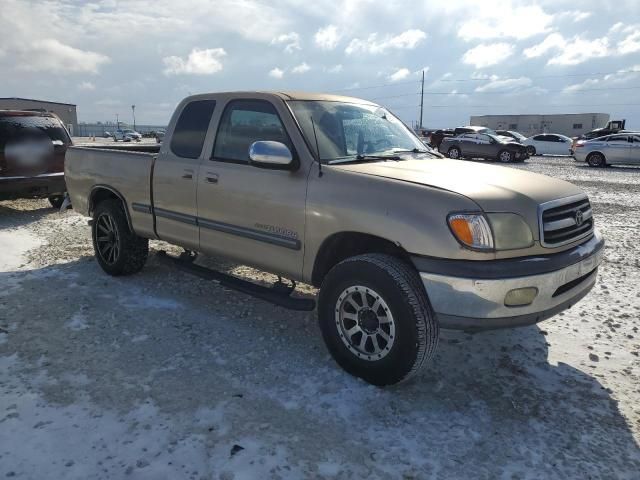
191, 128
244, 122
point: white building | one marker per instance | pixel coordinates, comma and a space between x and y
569, 124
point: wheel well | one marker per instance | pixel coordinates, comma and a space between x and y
100, 194
341, 246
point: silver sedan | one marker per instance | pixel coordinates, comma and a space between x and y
608, 150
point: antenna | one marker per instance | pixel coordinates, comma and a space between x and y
315, 136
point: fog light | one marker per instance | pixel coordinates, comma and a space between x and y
520, 297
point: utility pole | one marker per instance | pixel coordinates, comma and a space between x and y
421, 99
117, 122
133, 111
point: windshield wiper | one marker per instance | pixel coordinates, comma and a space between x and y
415, 150
361, 158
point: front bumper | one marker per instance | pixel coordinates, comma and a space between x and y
477, 301
40, 186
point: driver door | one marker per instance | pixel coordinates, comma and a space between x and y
253, 215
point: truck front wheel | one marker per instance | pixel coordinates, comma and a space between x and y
376, 319
118, 250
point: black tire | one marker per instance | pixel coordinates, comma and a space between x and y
56, 201
129, 251
505, 156
415, 329
597, 160
454, 153
531, 150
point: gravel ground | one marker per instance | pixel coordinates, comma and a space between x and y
161, 375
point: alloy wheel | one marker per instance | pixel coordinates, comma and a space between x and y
107, 239
365, 323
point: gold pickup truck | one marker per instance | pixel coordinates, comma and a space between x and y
337, 192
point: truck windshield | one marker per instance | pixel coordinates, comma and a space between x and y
345, 130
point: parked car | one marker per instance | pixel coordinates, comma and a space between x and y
436, 137
517, 136
32, 152
483, 145
107, 135
548, 144
159, 136
614, 126
339, 193
127, 135
609, 150
472, 129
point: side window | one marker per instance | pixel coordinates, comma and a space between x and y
484, 139
636, 139
191, 128
618, 139
245, 122
540, 138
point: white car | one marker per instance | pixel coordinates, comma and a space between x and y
127, 135
548, 144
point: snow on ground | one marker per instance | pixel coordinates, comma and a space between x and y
162, 375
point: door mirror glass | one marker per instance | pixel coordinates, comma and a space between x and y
270, 154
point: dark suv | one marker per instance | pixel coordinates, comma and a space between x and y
32, 150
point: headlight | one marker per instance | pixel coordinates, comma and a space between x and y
472, 230
499, 231
510, 231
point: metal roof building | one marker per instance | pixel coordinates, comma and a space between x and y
66, 111
569, 124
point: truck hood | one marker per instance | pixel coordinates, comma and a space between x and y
492, 187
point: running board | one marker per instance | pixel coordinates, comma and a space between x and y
273, 294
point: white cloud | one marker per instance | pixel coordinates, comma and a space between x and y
420, 70
335, 68
501, 21
630, 44
486, 55
53, 56
302, 68
88, 86
551, 42
399, 74
407, 40
199, 62
327, 38
507, 84
276, 72
588, 83
291, 41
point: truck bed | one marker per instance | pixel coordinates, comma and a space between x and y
126, 170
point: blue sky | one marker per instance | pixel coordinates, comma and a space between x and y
480, 57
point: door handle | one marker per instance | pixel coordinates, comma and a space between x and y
211, 177
187, 174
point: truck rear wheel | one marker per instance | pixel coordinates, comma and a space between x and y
376, 319
118, 250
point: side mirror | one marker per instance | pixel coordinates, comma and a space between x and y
269, 154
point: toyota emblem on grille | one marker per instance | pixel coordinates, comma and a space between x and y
579, 218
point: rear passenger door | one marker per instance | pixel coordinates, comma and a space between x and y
175, 175
618, 149
253, 215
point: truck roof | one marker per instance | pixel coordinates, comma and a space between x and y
293, 95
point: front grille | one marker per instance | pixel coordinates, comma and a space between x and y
565, 221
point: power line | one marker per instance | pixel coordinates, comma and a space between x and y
539, 106
488, 78
563, 75
375, 86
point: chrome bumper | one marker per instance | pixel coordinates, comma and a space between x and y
479, 304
